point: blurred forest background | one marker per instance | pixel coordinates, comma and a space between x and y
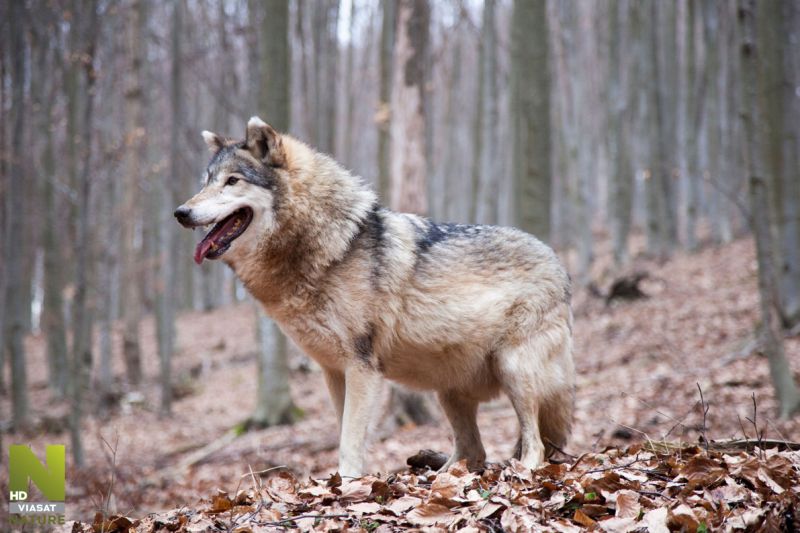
619, 131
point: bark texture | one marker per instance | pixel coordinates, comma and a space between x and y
530, 117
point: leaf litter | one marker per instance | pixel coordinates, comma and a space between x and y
645, 487
639, 365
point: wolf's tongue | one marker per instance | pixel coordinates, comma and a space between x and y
220, 235
203, 247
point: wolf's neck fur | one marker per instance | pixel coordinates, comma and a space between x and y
319, 210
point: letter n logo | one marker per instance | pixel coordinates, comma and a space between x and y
24, 465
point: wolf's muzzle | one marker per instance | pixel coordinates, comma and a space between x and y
184, 216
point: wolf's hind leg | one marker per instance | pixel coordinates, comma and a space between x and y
538, 377
461, 411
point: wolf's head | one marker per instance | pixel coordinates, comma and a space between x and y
271, 197
239, 191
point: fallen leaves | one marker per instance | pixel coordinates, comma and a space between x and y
669, 488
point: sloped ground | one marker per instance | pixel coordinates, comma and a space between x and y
642, 488
641, 365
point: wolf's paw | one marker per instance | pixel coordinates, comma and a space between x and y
473, 463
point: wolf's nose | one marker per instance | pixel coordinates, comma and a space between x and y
182, 214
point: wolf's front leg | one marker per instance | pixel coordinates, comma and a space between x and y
334, 379
362, 396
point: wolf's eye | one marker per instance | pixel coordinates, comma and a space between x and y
231, 180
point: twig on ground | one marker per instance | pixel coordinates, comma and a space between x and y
250, 473
705, 407
793, 446
653, 493
615, 467
300, 517
754, 421
746, 436
559, 450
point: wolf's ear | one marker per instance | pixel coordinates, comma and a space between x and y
265, 143
213, 141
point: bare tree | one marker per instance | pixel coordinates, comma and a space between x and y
52, 318
326, 53
165, 296
780, 73
695, 87
408, 175
661, 230
15, 299
131, 245
753, 118
274, 402
81, 360
388, 30
485, 179
408, 165
5, 205
619, 95
530, 117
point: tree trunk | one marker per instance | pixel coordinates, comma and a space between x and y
753, 99
530, 117
131, 245
408, 165
383, 116
15, 297
621, 169
5, 205
661, 232
695, 87
81, 360
780, 75
165, 296
450, 174
274, 402
485, 180
52, 318
350, 92
326, 54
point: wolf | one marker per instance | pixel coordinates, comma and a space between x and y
467, 311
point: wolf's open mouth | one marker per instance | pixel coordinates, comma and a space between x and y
219, 239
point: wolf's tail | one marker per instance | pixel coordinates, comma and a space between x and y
557, 408
555, 419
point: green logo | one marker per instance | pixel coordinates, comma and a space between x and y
23, 465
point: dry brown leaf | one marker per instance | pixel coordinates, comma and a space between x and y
446, 485
356, 489
655, 520
401, 505
488, 509
562, 526
593, 510
458, 469
729, 493
618, 525
364, 508
220, 503
702, 471
431, 514
581, 518
628, 505
518, 520
609, 482
764, 476
683, 517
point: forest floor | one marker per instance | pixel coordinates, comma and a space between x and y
641, 365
